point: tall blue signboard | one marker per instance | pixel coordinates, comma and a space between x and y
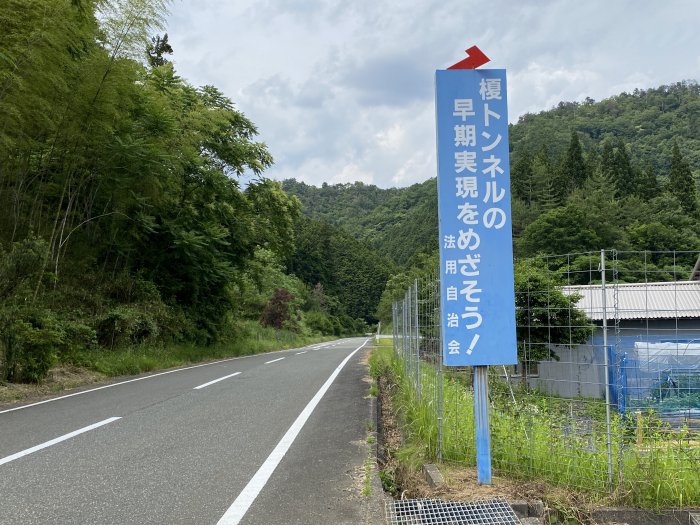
476, 254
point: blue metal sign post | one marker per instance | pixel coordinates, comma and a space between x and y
476, 257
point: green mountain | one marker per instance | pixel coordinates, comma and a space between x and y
398, 222
646, 121
597, 174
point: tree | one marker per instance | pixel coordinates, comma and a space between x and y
401, 280
615, 166
663, 225
156, 49
277, 313
347, 268
558, 231
607, 162
546, 187
574, 167
681, 182
276, 216
623, 174
600, 210
544, 315
647, 184
521, 178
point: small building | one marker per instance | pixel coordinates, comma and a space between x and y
653, 335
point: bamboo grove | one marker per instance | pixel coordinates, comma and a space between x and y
123, 219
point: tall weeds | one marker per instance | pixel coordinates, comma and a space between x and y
562, 441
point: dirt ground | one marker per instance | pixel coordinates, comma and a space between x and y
59, 379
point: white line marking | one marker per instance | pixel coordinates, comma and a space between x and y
133, 380
275, 360
299, 353
215, 381
245, 499
56, 440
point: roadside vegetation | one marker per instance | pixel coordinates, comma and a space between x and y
536, 437
127, 240
86, 366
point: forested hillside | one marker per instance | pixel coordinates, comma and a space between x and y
613, 174
123, 222
647, 121
620, 173
398, 222
622, 161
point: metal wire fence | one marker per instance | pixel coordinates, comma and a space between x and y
606, 394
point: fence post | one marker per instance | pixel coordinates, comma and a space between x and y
394, 328
409, 332
409, 329
435, 289
440, 407
418, 378
407, 341
619, 362
607, 372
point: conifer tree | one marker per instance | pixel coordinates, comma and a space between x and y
647, 184
681, 182
623, 174
521, 178
607, 162
544, 184
615, 166
155, 50
574, 168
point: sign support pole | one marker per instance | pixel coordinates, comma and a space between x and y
481, 422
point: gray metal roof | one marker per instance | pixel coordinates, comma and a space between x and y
668, 300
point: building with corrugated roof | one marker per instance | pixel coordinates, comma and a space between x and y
644, 320
639, 301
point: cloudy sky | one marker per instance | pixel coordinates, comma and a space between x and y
342, 90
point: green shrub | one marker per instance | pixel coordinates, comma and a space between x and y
319, 322
30, 342
126, 325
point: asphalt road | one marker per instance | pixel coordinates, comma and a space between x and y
269, 439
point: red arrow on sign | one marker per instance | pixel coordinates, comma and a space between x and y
475, 58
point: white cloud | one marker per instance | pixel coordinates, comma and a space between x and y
391, 138
538, 87
345, 89
351, 173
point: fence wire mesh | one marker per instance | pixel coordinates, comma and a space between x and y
606, 393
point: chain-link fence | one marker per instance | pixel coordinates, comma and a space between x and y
606, 393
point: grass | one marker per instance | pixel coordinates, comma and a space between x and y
89, 366
562, 441
254, 339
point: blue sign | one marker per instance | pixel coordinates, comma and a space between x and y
476, 253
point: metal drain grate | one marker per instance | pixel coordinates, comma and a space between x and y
436, 512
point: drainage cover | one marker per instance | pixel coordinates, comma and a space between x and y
437, 512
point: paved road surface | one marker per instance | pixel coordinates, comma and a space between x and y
268, 439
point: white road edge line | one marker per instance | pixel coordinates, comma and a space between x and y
245, 499
215, 381
57, 440
274, 360
299, 353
